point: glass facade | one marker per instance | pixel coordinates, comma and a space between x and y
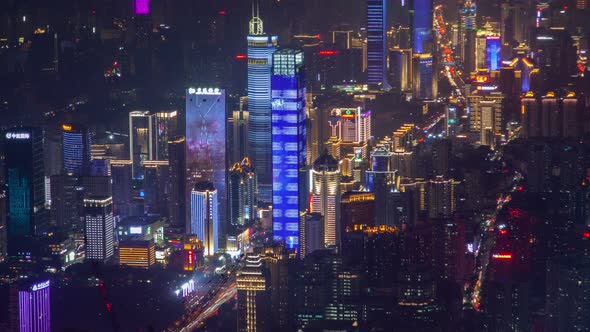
142, 140
206, 122
493, 55
260, 52
76, 149
376, 43
205, 216
25, 186
288, 145
422, 25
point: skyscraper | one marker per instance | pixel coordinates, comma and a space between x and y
177, 182
381, 181
26, 187
155, 186
206, 159
242, 193
467, 25
205, 216
325, 196
493, 53
422, 26
425, 80
34, 307
253, 296
143, 143
65, 202
99, 228
288, 145
76, 149
441, 197
166, 128
377, 44
261, 48
121, 175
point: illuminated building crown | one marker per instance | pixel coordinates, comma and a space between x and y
256, 25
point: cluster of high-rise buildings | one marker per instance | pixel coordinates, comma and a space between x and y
337, 211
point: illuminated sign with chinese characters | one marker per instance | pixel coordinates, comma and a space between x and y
204, 91
18, 135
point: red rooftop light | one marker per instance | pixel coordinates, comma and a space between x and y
328, 52
240, 56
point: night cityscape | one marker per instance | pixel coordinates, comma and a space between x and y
294, 165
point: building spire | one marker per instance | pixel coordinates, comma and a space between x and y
256, 26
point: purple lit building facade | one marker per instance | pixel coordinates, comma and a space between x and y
206, 158
141, 7
34, 308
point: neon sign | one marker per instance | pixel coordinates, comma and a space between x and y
13, 135
204, 91
40, 286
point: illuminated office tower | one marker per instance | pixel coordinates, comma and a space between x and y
166, 128
325, 196
76, 142
485, 115
467, 24
357, 210
242, 193
137, 252
143, 144
33, 302
493, 53
425, 82
239, 128
350, 125
206, 157
377, 44
177, 183
400, 66
530, 111
205, 216
422, 22
99, 228
121, 175
261, 48
550, 115
441, 197
24, 175
514, 23
381, 181
288, 145
253, 296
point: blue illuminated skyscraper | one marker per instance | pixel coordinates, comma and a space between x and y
260, 50
493, 55
23, 148
288, 145
76, 149
422, 25
377, 43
